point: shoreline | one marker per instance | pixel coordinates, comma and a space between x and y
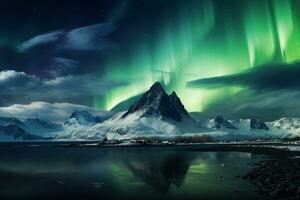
277, 176
273, 149
93, 143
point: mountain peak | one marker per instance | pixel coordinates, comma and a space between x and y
157, 90
157, 101
82, 117
157, 87
173, 94
220, 122
258, 124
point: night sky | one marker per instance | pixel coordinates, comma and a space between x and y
233, 57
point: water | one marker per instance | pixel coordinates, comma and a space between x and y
123, 173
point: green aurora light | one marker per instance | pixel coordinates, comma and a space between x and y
201, 39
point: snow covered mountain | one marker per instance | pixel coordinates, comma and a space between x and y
155, 114
86, 118
14, 129
27, 129
157, 102
289, 125
220, 122
138, 125
251, 129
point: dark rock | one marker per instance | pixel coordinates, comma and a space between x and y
276, 178
157, 102
220, 122
258, 124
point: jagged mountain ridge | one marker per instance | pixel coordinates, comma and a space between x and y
258, 124
221, 122
157, 102
86, 118
155, 114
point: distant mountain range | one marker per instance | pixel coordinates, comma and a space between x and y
28, 129
155, 114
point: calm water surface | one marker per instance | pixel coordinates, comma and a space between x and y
124, 173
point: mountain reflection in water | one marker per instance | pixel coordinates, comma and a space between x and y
123, 173
160, 174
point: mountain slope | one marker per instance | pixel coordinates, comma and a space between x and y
221, 122
157, 102
155, 114
28, 129
86, 118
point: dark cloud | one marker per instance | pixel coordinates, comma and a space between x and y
270, 77
67, 51
41, 40
269, 92
62, 66
87, 38
61, 52
268, 105
19, 87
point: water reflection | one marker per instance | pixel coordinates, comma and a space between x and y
160, 174
122, 173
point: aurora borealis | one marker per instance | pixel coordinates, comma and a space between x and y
200, 39
114, 50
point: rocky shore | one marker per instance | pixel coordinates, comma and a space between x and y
278, 178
